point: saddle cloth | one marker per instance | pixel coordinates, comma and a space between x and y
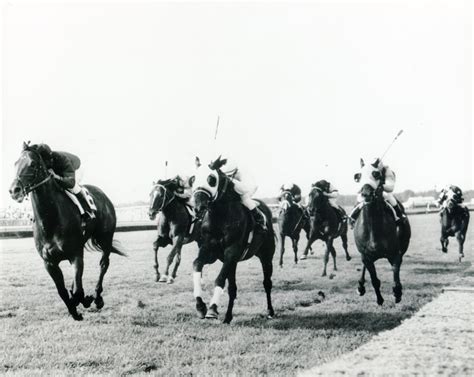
74, 199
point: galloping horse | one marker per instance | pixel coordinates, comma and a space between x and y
326, 225
454, 223
226, 231
174, 225
378, 236
291, 220
58, 231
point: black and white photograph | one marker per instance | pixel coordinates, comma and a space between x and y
236, 188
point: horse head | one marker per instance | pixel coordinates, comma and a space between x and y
316, 199
209, 185
31, 172
161, 195
286, 200
369, 194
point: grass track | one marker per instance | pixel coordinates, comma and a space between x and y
150, 327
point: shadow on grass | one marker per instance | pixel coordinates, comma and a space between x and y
353, 321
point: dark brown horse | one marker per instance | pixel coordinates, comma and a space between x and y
58, 231
226, 231
378, 236
326, 225
291, 221
174, 225
454, 223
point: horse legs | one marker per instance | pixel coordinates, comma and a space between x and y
444, 242
226, 268
57, 276
267, 267
178, 244
307, 248
397, 288
329, 249
77, 291
460, 237
156, 265
282, 248
295, 247
104, 265
198, 264
361, 288
232, 290
375, 281
344, 244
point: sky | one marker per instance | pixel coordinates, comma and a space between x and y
303, 90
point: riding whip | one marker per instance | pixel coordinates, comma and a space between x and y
393, 141
217, 128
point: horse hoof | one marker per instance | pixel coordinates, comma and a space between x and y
398, 299
77, 317
380, 301
227, 320
87, 301
270, 314
163, 279
361, 291
170, 280
201, 308
324, 274
303, 257
99, 302
157, 279
212, 312
348, 258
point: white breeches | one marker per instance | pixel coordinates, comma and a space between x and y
78, 177
332, 202
245, 187
388, 196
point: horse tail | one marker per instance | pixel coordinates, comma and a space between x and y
116, 247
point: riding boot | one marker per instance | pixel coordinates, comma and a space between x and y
88, 212
400, 214
259, 218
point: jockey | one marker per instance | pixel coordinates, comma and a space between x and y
183, 187
294, 190
331, 193
245, 186
386, 179
450, 192
63, 167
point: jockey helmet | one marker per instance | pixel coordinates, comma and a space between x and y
45, 152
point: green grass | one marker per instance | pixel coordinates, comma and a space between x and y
151, 327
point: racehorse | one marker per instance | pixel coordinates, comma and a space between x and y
58, 230
454, 223
228, 233
326, 225
378, 236
174, 225
291, 220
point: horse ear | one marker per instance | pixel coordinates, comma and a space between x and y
362, 163
357, 177
153, 183
376, 163
25, 145
197, 162
191, 180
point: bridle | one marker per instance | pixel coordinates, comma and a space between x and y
164, 203
26, 189
219, 193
